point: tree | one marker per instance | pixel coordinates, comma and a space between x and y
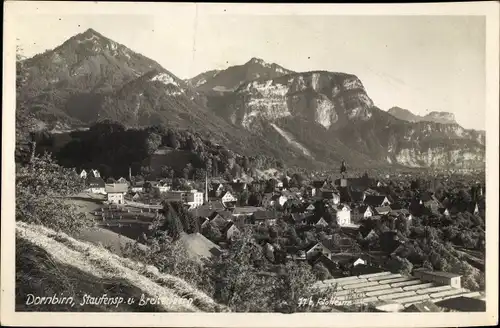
321, 272
292, 285
236, 279
152, 142
42, 186
244, 197
172, 224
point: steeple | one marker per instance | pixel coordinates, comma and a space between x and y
206, 187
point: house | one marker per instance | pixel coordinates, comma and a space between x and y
343, 214
137, 186
330, 265
382, 210
376, 201
193, 198
161, 186
217, 220
122, 180
230, 231
317, 186
280, 199
263, 216
320, 248
444, 211
365, 211
83, 174
94, 173
445, 278
310, 208
116, 192
317, 221
95, 185
136, 197
227, 197
331, 195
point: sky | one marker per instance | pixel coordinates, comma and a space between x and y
420, 63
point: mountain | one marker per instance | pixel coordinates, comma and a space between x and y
329, 116
91, 78
436, 117
231, 78
68, 83
309, 119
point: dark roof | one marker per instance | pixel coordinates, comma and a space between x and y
227, 227
382, 209
463, 304
363, 208
318, 184
95, 182
374, 200
423, 307
365, 269
264, 215
329, 264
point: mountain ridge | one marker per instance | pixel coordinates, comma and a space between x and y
319, 116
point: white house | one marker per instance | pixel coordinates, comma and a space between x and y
228, 198
162, 187
94, 173
83, 174
116, 192
343, 214
281, 200
95, 185
193, 198
122, 180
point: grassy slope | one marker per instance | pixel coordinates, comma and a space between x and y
50, 262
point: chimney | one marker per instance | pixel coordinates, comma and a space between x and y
130, 174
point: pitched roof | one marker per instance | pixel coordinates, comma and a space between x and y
264, 215
95, 182
199, 246
116, 188
374, 200
383, 209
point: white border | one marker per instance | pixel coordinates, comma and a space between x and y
9, 317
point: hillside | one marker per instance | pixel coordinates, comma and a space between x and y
48, 262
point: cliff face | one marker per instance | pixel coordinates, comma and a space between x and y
329, 99
329, 116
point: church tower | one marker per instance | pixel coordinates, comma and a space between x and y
343, 171
206, 187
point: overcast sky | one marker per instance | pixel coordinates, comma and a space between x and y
421, 63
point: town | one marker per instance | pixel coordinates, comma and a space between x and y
358, 234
